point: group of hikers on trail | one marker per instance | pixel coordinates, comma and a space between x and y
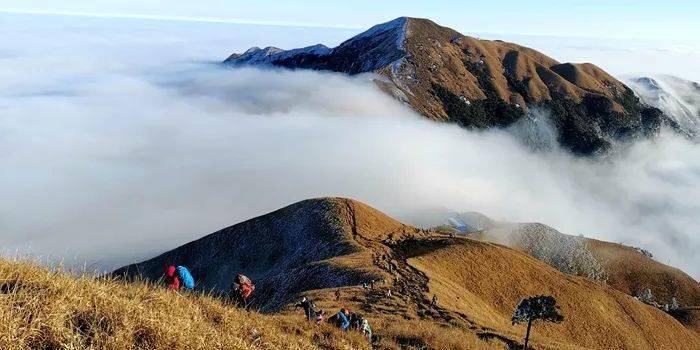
344, 319
347, 320
179, 277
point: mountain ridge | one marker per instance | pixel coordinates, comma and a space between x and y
353, 243
312, 244
477, 83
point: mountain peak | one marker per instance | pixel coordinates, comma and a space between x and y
475, 83
302, 246
398, 25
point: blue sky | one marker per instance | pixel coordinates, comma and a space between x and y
677, 19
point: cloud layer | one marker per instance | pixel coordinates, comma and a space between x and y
112, 161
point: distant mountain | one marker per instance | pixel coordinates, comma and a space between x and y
447, 76
318, 246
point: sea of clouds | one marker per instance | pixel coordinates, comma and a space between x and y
120, 139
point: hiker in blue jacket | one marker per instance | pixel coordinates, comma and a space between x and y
344, 322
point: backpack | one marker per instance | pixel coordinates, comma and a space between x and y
185, 277
243, 280
334, 320
246, 290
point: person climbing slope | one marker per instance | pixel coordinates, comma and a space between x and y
242, 288
179, 278
320, 316
172, 279
309, 308
186, 278
340, 319
355, 321
366, 329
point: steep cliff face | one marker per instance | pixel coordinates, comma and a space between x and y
477, 83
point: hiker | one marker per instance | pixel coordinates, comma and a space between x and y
388, 293
320, 316
340, 319
366, 330
242, 288
365, 286
172, 278
337, 294
186, 279
308, 306
355, 321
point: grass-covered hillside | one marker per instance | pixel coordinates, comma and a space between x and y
45, 309
42, 309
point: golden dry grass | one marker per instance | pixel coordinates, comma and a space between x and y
396, 333
485, 281
631, 272
477, 285
43, 309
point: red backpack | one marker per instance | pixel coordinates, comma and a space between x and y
246, 285
172, 278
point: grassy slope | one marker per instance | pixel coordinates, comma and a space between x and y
491, 279
41, 309
477, 285
625, 269
398, 329
630, 272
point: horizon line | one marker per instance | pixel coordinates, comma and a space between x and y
176, 18
215, 20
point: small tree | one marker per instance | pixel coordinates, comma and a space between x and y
674, 305
536, 308
646, 296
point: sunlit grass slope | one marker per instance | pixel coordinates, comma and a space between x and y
43, 309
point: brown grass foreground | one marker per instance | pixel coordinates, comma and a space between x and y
43, 309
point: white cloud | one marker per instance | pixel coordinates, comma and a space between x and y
114, 150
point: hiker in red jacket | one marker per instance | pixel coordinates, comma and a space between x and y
172, 278
242, 289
